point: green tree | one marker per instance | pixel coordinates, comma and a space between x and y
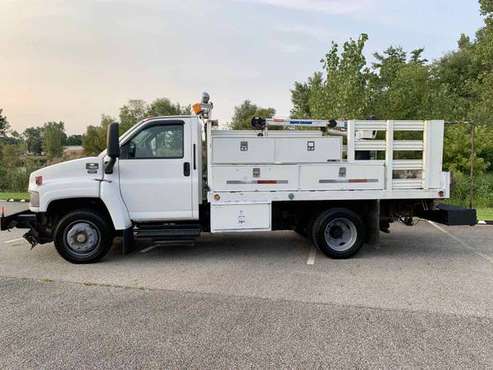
53, 139
466, 76
74, 140
4, 125
341, 89
486, 7
344, 93
136, 110
12, 156
13, 172
399, 85
94, 140
457, 73
164, 107
402, 88
300, 98
131, 113
244, 113
34, 140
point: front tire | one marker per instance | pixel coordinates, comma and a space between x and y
83, 236
338, 233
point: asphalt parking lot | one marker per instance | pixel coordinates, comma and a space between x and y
422, 298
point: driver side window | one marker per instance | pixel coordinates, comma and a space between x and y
157, 141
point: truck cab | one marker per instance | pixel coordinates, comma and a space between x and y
158, 174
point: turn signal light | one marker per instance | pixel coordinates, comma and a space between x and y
39, 180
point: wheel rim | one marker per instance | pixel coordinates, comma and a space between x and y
82, 237
340, 234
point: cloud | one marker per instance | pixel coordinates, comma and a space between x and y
290, 48
318, 33
327, 6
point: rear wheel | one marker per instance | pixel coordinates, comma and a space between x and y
83, 236
338, 232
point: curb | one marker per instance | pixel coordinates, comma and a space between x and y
485, 222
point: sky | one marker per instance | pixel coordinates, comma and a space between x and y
74, 60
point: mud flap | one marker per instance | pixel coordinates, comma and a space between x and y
373, 223
128, 242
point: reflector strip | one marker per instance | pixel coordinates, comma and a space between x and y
347, 181
259, 182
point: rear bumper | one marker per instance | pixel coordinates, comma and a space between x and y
26, 220
450, 215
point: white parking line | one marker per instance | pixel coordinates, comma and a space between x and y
311, 256
461, 242
13, 240
145, 250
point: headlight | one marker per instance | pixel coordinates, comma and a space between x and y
34, 201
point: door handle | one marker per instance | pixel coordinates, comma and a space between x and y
194, 157
186, 169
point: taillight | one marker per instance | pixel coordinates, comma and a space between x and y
39, 180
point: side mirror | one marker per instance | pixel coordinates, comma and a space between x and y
112, 142
112, 147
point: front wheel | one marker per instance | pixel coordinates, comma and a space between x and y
338, 232
83, 236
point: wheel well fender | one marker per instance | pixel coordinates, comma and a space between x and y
58, 208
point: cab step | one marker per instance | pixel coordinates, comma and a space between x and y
163, 232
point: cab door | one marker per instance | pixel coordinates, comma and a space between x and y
155, 174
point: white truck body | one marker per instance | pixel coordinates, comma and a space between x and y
155, 183
278, 166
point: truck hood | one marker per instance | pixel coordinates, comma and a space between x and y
89, 168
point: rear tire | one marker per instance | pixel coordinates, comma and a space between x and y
338, 233
83, 236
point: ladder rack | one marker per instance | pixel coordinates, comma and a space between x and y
361, 136
431, 147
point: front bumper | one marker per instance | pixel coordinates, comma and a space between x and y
20, 220
26, 220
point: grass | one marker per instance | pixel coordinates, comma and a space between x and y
485, 214
7, 196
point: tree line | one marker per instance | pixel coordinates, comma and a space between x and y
458, 87
22, 153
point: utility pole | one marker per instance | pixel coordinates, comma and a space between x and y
471, 172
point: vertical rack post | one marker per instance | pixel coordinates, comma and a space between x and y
208, 134
471, 170
389, 154
351, 137
426, 154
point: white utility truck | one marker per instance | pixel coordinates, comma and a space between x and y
151, 183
